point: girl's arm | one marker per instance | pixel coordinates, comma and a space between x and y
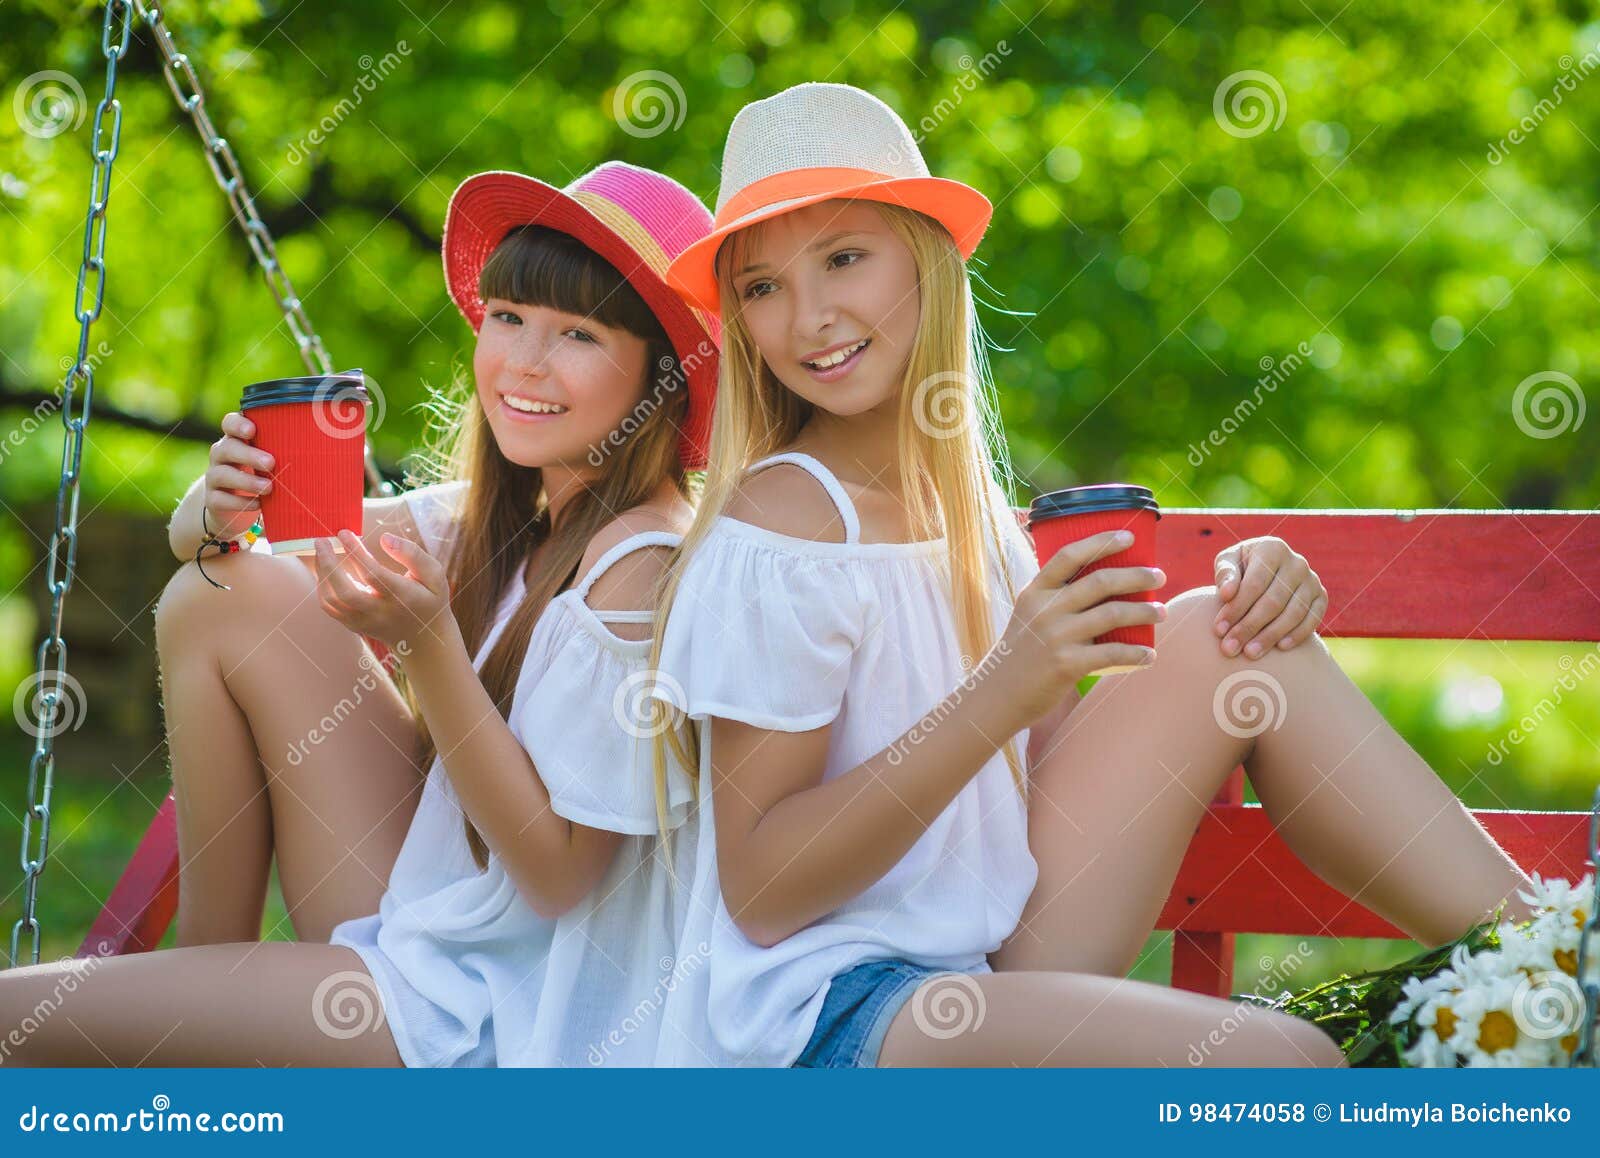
184, 532
791, 848
553, 861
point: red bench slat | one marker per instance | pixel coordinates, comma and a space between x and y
1417, 574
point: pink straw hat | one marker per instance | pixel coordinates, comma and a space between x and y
637, 219
815, 142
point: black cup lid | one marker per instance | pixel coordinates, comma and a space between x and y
345, 386
1087, 499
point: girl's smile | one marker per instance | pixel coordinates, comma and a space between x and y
524, 408
837, 361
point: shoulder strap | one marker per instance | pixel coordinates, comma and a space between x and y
847, 509
626, 547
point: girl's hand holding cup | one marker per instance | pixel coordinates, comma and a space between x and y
1050, 643
408, 611
233, 488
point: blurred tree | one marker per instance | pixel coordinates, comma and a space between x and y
1282, 252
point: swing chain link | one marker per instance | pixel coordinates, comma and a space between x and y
1589, 956
50, 681
225, 168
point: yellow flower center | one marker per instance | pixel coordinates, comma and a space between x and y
1445, 1025
1570, 1042
1497, 1031
1567, 961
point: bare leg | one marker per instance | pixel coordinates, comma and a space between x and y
1130, 773
271, 1004
1078, 1019
285, 736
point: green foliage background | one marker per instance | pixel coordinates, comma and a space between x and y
1155, 267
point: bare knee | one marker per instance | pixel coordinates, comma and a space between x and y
190, 602
1190, 616
1188, 634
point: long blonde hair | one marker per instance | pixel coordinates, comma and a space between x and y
504, 516
949, 421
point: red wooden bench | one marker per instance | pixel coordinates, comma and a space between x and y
1503, 575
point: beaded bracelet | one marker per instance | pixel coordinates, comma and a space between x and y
225, 546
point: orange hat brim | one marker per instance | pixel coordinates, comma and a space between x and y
960, 208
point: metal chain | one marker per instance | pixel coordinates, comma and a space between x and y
1589, 954
49, 681
186, 90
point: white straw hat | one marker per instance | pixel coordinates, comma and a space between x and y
811, 143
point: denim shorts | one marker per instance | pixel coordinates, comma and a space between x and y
855, 1015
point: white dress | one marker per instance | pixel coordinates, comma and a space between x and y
468, 973
791, 634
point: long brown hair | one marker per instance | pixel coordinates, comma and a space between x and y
504, 516
950, 443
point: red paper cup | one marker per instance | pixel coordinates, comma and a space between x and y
315, 430
1065, 516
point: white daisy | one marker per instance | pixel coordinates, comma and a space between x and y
1560, 896
1487, 1031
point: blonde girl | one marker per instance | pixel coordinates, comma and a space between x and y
917, 850
525, 913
